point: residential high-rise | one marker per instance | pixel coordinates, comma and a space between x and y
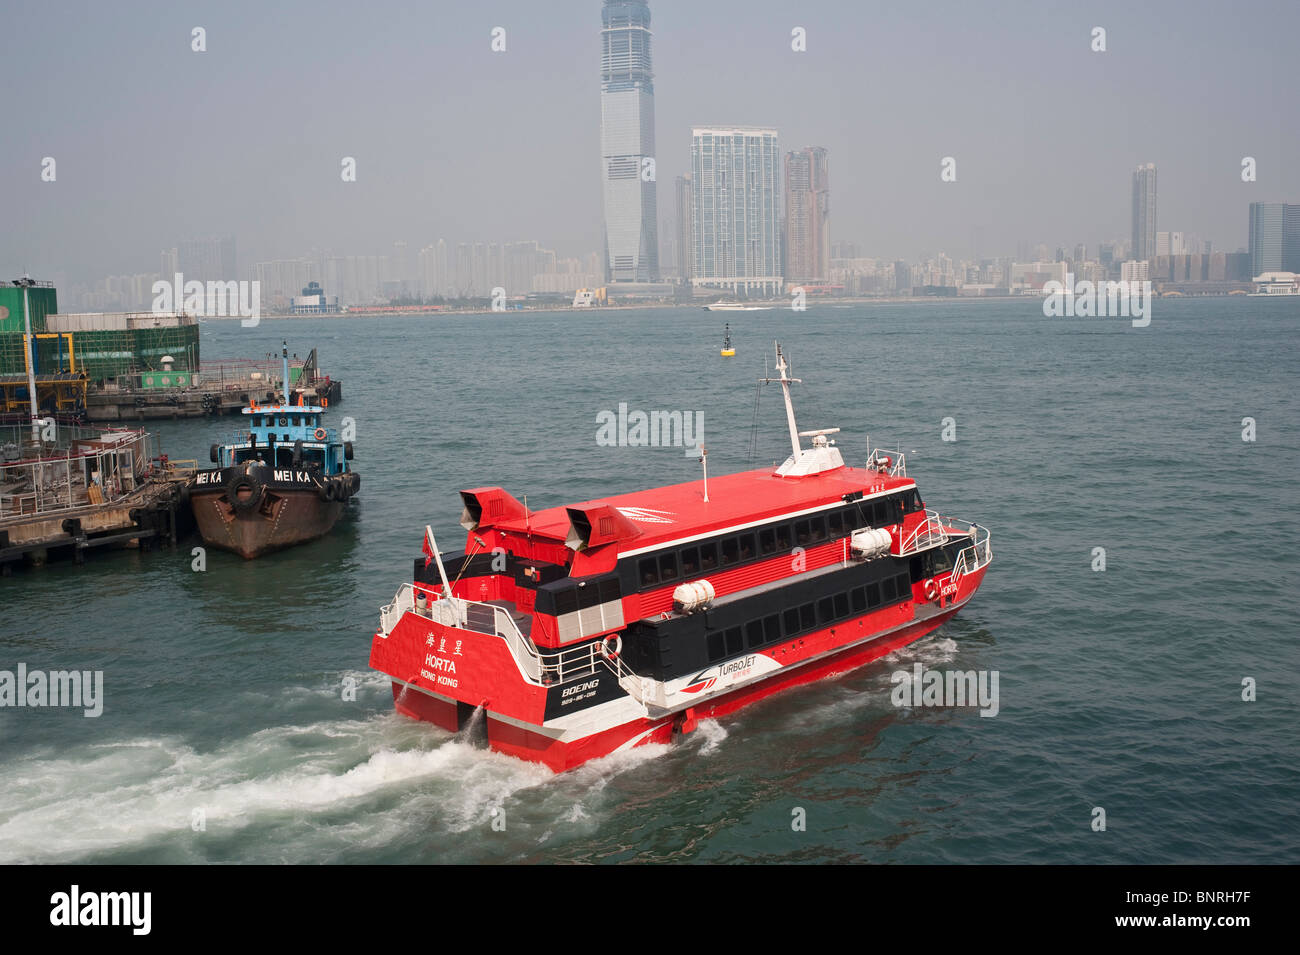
684, 223
736, 209
627, 143
807, 216
1274, 237
1144, 213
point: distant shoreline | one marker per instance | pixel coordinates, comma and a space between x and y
649, 306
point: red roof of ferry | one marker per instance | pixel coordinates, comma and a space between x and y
679, 510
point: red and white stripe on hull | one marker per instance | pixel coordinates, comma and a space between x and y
562, 749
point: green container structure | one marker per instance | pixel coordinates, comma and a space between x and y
104, 345
41, 301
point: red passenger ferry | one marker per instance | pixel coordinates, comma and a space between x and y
584, 630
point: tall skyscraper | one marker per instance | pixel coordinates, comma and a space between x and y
1144, 213
1274, 237
807, 216
735, 174
684, 226
627, 141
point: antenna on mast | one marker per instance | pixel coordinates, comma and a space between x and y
786, 381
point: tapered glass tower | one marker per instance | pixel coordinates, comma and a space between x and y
627, 143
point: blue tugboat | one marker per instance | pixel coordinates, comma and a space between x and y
282, 481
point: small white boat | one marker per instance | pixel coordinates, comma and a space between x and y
736, 307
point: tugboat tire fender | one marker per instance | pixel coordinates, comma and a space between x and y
297, 453
256, 492
347, 450
354, 482
214, 453
326, 492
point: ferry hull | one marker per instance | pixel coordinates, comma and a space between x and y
557, 751
286, 518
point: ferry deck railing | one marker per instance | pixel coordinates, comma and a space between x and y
930, 533
974, 557
896, 466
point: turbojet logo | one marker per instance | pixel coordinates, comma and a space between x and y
102, 908
1098, 299
656, 429
216, 300
84, 688
924, 687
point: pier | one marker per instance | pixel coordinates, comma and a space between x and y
218, 388
93, 489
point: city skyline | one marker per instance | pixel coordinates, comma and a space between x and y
453, 165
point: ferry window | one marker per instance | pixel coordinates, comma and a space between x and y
730, 551
733, 641
825, 610
889, 589
649, 572
771, 629
841, 606
690, 561
836, 522
942, 562
667, 567
859, 595
746, 546
791, 621
754, 634
904, 586
784, 539
818, 527
296, 421
566, 601
716, 648
767, 541
801, 535
807, 619
912, 501
873, 595
709, 555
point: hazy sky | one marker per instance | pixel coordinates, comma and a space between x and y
154, 142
